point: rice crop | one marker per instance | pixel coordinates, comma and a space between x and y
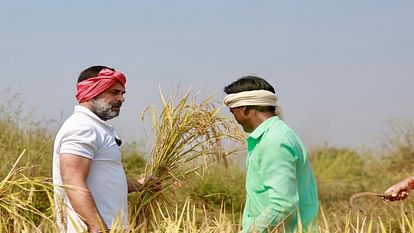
188, 136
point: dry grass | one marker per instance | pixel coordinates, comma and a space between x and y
17, 205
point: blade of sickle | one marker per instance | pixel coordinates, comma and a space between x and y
362, 194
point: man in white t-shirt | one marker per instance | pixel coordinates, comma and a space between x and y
90, 183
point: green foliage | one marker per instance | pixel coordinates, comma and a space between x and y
19, 132
331, 164
133, 160
218, 188
399, 145
339, 173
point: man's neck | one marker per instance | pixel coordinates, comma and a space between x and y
86, 104
260, 117
89, 106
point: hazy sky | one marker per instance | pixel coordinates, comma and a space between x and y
341, 69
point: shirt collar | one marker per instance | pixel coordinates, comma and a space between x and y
262, 127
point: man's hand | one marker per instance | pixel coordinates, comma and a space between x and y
149, 181
400, 190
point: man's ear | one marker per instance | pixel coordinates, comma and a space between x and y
246, 110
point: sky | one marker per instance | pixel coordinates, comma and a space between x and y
342, 70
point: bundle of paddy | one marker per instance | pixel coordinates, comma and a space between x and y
188, 137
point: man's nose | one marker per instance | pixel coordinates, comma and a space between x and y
121, 98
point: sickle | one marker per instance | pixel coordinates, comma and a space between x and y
357, 195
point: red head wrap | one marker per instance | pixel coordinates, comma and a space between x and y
91, 87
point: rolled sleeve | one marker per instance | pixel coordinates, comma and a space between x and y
79, 141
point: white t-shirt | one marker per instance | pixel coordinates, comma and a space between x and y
85, 134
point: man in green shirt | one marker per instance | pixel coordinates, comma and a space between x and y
280, 185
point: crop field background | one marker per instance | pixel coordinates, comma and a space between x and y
211, 197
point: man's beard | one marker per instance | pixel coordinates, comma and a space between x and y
104, 110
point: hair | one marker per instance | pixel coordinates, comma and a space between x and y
91, 72
250, 83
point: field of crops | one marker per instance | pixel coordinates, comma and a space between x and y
210, 196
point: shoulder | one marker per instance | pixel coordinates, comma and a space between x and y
281, 136
278, 131
77, 138
78, 126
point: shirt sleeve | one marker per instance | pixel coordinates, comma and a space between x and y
278, 167
79, 140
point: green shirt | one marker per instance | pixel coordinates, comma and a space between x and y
280, 185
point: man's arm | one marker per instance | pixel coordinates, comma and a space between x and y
74, 170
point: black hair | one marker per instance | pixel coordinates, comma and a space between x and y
91, 72
250, 83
